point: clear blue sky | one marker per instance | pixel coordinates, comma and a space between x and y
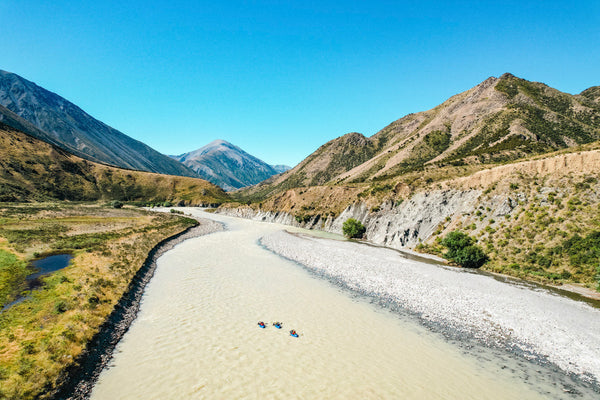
280, 78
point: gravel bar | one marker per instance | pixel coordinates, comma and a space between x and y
535, 322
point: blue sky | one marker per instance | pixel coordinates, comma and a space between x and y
280, 78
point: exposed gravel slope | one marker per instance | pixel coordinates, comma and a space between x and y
559, 330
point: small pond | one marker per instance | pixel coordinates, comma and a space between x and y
43, 266
49, 264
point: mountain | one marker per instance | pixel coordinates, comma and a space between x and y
49, 117
281, 168
512, 163
498, 121
228, 166
33, 170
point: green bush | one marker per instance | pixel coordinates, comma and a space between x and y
353, 228
583, 250
60, 307
116, 204
463, 251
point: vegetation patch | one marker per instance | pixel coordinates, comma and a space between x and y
353, 228
463, 251
12, 276
42, 335
583, 250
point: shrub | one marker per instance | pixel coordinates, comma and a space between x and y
583, 250
116, 204
471, 257
463, 251
456, 240
303, 218
353, 228
60, 307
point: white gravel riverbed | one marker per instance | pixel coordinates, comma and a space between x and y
560, 330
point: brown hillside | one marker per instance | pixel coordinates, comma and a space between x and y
498, 121
31, 169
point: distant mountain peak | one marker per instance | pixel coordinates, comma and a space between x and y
227, 165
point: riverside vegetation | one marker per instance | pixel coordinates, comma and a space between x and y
353, 228
44, 333
535, 214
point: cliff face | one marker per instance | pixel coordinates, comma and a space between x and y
523, 214
412, 221
398, 226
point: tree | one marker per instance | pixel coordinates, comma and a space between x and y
471, 257
463, 251
353, 228
456, 241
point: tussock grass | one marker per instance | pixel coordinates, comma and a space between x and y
42, 335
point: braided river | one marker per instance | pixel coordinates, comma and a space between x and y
196, 336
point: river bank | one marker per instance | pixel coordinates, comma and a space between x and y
361, 212
42, 335
196, 336
539, 325
79, 380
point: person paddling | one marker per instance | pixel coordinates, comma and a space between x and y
261, 324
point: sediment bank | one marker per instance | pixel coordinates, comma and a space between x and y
534, 323
78, 381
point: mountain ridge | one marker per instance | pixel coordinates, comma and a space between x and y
499, 120
509, 162
34, 170
62, 123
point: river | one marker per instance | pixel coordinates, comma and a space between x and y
196, 337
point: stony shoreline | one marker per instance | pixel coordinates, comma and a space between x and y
359, 211
534, 323
79, 380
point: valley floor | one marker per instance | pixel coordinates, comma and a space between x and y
43, 335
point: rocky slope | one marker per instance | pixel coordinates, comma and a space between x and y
524, 214
228, 166
31, 169
49, 117
500, 120
511, 162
